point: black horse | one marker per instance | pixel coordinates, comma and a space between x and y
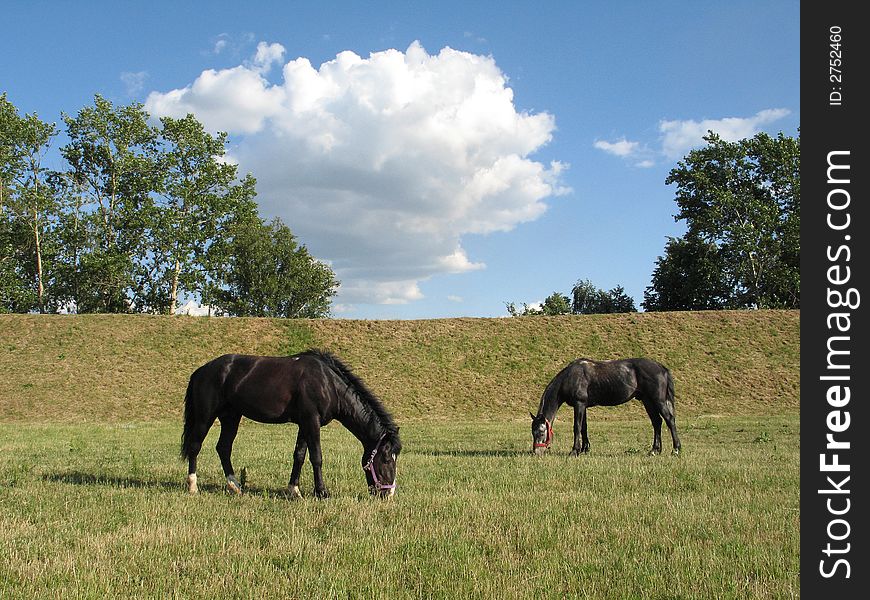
584, 383
310, 389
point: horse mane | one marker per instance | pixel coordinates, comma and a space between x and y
366, 396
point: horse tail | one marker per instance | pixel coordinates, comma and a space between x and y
670, 392
187, 436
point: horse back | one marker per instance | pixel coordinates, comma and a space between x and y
269, 389
602, 383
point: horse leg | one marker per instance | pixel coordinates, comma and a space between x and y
198, 433
229, 428
298, 460
581, 440
667, 412
312, 438
656, 420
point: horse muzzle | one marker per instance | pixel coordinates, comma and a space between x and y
382, 492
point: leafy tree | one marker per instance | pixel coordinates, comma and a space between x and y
690, 276
741, 202
617, 301
199, 196
16, 293
555, 304
268, 274
588, 299
28, 204
10, 161
113, 158
140, 216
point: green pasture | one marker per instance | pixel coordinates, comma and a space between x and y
100, 511
93, 502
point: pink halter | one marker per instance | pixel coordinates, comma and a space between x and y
370, 467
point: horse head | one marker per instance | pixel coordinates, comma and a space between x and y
542, 434
379, 464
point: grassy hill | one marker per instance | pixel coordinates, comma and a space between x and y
119, 368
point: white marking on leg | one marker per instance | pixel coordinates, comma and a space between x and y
294, 491
191, 484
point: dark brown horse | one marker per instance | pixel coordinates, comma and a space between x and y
309, 389
585, 382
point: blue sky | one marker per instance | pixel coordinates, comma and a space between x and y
535, 156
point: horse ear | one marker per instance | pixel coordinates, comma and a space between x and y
531, 414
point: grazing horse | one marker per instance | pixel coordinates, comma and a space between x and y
584, 383
310, 389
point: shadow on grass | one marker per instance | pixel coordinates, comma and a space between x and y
473, 453
90, 479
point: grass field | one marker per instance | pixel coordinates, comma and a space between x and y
93, 504
100, 511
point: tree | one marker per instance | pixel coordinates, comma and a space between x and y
268, 274
741, 203
27, 202
617, 301
690, 276
555, 304
113, 158
199, 196
587, 299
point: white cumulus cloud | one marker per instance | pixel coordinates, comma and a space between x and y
267, 55
620, 147
678, 137
380, 164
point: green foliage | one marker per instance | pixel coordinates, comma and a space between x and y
589, 300
141, 216
199, 198
555, 304
690, 276
741, 203
113, 158
28, 210
269, 275
586, 299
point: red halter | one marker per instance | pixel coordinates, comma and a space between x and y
546, 443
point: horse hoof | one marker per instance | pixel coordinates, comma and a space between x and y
295, 493
321, 494
233, 486
676, 452
654, 452
191, 484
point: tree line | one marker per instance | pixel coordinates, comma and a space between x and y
140, 216
740, 202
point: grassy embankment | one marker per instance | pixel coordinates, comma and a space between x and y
116, 368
